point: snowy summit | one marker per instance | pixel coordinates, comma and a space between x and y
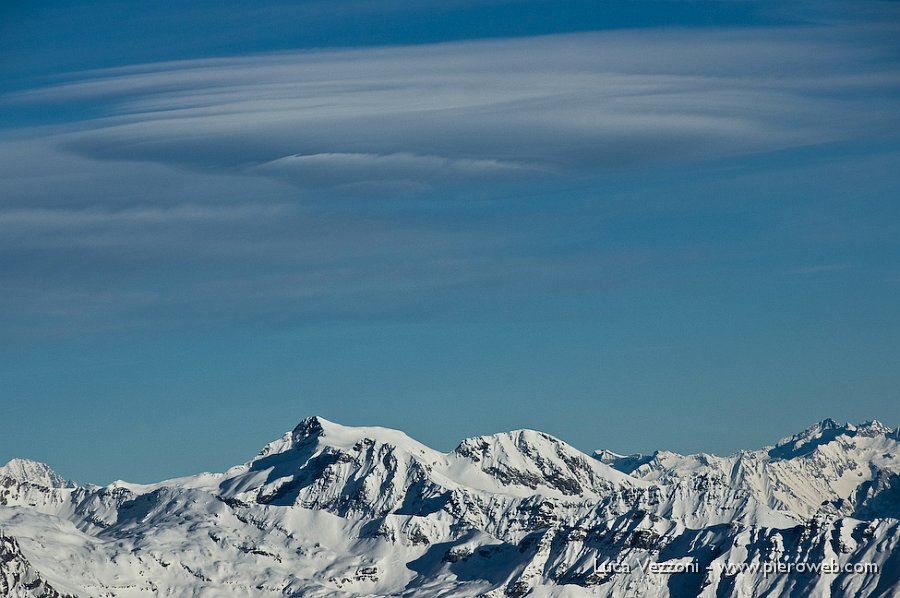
329, 510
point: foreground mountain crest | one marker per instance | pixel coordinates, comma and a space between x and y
330, 510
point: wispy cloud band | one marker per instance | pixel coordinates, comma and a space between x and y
578, 104
244, 168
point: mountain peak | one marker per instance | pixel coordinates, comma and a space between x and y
311, 426
531, 458
318, 429
34, 472
804, 443
363, 511
874, 428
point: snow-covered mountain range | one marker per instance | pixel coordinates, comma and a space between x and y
329, 510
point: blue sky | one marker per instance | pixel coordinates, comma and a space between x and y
634, 225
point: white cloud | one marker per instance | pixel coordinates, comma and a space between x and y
387, 173
469, 111
63, 218
238, 187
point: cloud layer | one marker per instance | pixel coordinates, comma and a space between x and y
349, 179
575, 104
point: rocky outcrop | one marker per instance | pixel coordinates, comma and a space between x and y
18, 579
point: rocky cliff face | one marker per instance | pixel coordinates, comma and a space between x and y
328, 510
18, 579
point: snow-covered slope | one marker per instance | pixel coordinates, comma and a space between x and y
329, 510
842, 469
18, 579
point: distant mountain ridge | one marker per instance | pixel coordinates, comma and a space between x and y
330, 510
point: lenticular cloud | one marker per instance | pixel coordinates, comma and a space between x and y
448, 113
